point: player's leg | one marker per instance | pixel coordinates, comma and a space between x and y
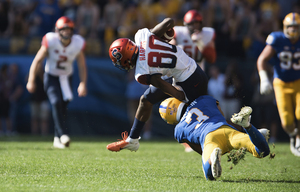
195, 85
254, 140
151, 96
285, 94
297, 115
215, 145
52, 88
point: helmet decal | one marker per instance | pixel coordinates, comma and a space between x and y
116, 54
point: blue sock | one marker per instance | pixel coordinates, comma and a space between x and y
207, 170
261, 145
136, 129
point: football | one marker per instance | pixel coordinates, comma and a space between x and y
168, 36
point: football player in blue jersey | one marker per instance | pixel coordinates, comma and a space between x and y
203, 126
283, 51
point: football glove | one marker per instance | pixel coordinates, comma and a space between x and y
265, 85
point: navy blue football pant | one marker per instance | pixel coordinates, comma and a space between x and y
59, 106
194, 87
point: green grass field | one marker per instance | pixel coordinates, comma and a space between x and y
31, 164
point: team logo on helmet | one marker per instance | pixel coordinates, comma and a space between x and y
116, 54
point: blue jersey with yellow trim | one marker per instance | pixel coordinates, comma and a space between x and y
201, 117
287, 61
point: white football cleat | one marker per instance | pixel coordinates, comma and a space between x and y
265, 133
215, 159
243, 117
65, 140
57, 144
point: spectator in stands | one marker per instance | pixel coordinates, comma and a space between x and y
4, 99
47, 13
4, 18
232, 92
132, 20
218, 16
16, 91
69, 8
243, 21
88, 14
111, 18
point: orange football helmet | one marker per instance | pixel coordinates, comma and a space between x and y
170, 110
190, 16
62, 23
123, 53
291, 19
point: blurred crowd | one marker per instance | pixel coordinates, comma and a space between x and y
241, 28
241, 25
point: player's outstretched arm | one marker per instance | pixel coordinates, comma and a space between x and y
160, 29
82, 88
262, 62
38, 59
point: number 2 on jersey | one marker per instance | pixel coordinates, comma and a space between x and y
61, 60
159, 59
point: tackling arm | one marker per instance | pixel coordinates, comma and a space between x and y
39, 58
262, 62
82, 88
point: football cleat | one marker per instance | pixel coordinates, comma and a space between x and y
215, 159
65, 140
243, 117
265, 133
125, 143
57, 144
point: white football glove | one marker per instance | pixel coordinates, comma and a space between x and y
265, 85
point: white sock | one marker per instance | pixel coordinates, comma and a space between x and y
297, 142
130, 140
293, 133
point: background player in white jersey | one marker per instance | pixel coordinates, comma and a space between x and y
154, 58
284, 50
197, 41
203, 126
61, 49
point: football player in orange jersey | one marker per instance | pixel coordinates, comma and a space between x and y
61, 49
284, 49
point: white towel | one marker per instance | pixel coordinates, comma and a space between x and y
65, 88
